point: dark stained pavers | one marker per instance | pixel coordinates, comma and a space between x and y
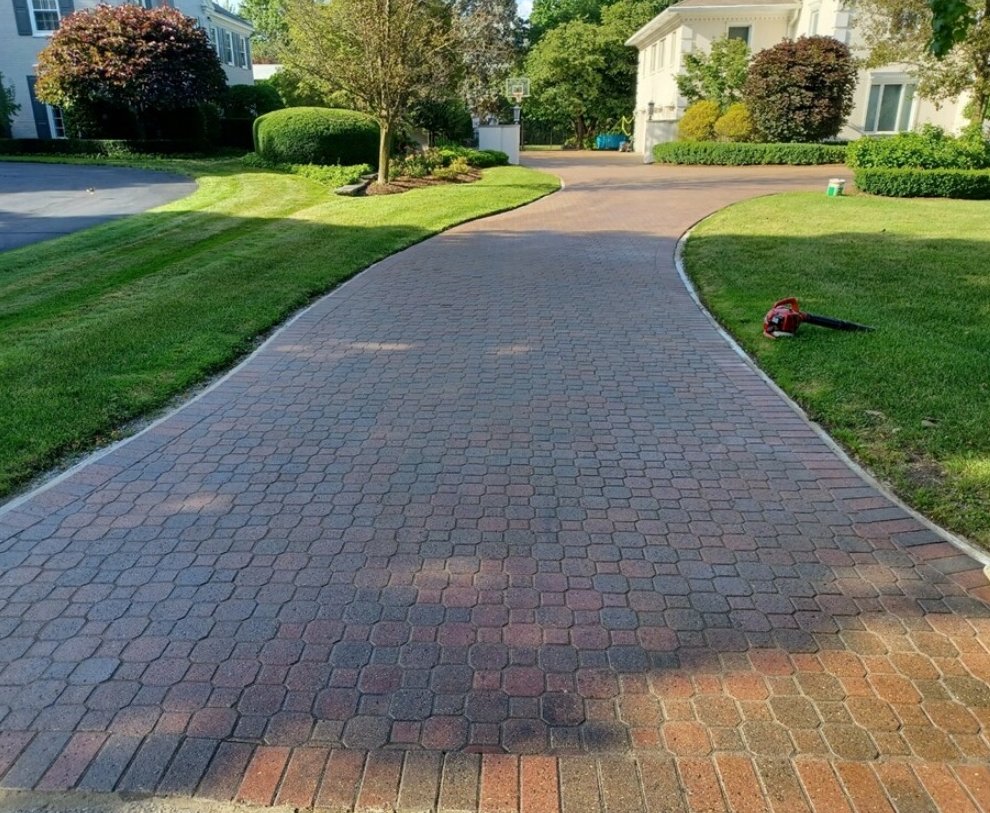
502, 524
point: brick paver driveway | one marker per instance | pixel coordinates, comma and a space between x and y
504, 523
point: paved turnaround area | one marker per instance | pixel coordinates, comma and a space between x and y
503, 524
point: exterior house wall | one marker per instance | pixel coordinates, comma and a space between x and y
19, 52
884, 100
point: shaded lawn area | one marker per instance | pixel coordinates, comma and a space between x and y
102, 326
912, 400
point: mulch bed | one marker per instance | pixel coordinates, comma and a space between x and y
404, 184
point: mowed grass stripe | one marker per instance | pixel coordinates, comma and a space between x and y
911, 400
100, 327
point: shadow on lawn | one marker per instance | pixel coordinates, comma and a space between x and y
481, 506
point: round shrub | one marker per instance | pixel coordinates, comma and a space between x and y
735, 124
801, 90
698, 121
316, 135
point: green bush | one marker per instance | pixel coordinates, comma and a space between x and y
929, 149
103, 147
925, 183
454, 170
735, 124
316, 135
480, 159
801, 90
332, 176
250, 101
698, 121
721, 153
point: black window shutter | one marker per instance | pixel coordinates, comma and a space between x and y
40, 113
65, 8
23, 18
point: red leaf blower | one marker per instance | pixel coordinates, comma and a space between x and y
786, 316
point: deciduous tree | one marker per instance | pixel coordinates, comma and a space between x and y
270, 27
801, 90
488, 34
718, 76
901, 31
384, 54
128, 56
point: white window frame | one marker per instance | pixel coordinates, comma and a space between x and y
55, 121
749, 33
33, 11
661, 53
814, 20
245, 56
228, 46
905, 103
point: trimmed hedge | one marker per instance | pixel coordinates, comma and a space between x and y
105, 147
316, 135
973, 184
929, 149
737, 154
479, 159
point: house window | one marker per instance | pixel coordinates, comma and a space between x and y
888, 109
56, 121
44, 16
813, 22
660, 55
245, 57
739, 32
228, 47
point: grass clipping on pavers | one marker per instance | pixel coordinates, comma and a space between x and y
103, 326
910, 400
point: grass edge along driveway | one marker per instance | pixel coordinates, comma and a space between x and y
109, 324
912, 400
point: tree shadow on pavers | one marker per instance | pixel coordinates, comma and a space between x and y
599, 546
84, 353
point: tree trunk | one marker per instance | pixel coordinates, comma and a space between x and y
579, 132
384, 151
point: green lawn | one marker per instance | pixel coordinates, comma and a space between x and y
911, 400
108, 324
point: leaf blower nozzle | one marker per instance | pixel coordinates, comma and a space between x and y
786, 316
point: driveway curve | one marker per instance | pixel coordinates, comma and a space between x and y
42, 201
501, 524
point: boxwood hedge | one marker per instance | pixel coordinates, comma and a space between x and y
924, 183
739, 154
316, 135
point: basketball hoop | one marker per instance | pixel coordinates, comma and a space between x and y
517, 88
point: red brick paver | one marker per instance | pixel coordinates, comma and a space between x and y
503, 524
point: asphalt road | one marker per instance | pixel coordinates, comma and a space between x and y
42, 201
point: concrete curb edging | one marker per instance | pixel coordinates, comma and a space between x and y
964, 545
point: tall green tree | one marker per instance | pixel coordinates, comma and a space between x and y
566, 69
384, 54
8, 108
718, 76
901, 31
489, 46
270, 28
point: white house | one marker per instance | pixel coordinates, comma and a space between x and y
26, 25
885, 98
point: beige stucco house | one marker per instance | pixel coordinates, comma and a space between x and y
885, 98
26, 25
